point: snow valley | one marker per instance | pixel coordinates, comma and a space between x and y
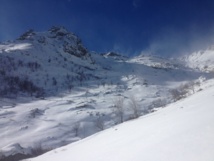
55, 92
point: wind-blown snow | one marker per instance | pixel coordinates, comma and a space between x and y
202, 60
183, 131
14, 47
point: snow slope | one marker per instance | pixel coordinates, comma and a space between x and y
183, 131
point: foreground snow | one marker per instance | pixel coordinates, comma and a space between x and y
183, 131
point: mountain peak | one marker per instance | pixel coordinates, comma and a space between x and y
57, 36
54, 32
59, 30
27, 35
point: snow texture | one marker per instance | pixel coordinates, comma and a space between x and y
183, 131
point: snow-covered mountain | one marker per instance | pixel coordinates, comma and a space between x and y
43, 63
55, 92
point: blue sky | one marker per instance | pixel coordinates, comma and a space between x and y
163, 27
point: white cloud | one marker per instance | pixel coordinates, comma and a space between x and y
172, 41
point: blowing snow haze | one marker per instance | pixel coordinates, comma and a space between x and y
129, 26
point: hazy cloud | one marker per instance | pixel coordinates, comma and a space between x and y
125, 50
172, 41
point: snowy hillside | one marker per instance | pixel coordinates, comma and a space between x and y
183, 131
202, 60
44, 63
54, 91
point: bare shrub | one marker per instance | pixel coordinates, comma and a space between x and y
118, 109
158, 103
76, 128
134, 106
38, 150
183, 90
175, 94
99, 123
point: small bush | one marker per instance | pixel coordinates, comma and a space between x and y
183, 90
76, 128
99, 123
134, 107
158, 103
118, 109
38, 150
